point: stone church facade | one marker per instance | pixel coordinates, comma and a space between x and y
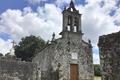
66, 58
109, 49
69, 57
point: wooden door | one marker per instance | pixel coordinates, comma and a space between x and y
73, 72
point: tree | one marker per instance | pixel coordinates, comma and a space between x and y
97, 70
28, 47
1, 54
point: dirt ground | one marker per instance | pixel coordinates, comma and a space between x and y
97, 78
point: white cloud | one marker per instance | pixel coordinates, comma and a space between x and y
116, 17
61, 2
35, 1
44, 22
96, 21
5, 46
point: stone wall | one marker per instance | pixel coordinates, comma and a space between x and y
55, 60
109, 49
87, 61
17, 70
44, 60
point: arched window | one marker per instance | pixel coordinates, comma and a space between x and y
68, 28
75, 29
76, 23
69, 20
71, 9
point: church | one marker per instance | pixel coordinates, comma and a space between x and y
68, 57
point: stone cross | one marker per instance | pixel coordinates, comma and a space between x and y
13, 43
12, 50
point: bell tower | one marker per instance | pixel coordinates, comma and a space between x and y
71, 20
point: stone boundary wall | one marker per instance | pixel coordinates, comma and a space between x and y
109, 49
17, 70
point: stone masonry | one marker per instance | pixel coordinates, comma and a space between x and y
69, 57
66, 58
13, 69
109, 49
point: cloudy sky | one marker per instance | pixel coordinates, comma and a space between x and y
20, 18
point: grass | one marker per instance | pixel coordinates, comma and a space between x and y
97, 78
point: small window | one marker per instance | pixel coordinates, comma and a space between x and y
74, 55
76, 21
71, 9
69, 20
75, 29
68, 28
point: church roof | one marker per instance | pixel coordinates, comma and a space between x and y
71, 7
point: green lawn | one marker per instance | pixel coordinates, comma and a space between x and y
97, 78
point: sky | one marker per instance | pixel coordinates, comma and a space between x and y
20, 18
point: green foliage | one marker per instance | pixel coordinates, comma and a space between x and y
97, 70
28, 47
1, 54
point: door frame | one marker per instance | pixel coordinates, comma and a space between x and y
77, 71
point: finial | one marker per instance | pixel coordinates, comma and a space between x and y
71, 1
53, 36
48, 41
64, 7
89, 41
72, 4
